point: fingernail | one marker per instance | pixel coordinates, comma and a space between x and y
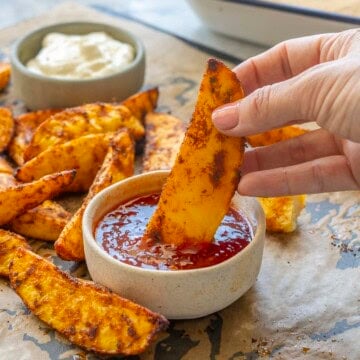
225, 117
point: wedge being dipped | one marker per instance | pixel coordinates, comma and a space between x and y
203, 180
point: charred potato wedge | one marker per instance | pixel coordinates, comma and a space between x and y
25, 126
282, 212
197, 194
17, 199
75, 122
275, 135
85, 154
5, 71
164, 135
89, 316
118, 164
7, 125
9, 242
44, 222
142, 103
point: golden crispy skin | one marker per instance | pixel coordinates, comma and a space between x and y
118, 164
5, 166
25, 126
282, 212
9, 242
275, 135
85, 154
142, 103
5, 71
164, 134
44, 222
17, 199
199, 189
88, 315
7, 125
83, 120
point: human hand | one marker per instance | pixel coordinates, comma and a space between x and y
314, 78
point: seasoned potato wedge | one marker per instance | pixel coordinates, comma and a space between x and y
25, 126
44, 222
7, 125
275, 135
5, 71
88, 315
164, 135
16, 200
118, 164
9, 242
85, 154
282, 212
202, 182
5, 167
142, 103
75, 122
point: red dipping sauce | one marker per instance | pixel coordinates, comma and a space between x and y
120, 232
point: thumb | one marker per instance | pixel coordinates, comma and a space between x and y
268, 107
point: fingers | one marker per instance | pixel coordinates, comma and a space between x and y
290, 152
322, 175
280, 63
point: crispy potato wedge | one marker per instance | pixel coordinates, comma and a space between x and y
85, 154
282, 212
83, 120
7, 126
164, 135
275, 135
25, 126
202, 182
142, 103
16, 200
5, 71
5, 166
88, 315
9, 242
118, 164
44, 222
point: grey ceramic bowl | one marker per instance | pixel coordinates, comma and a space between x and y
39, 92
179, 294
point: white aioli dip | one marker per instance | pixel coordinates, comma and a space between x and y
81, 56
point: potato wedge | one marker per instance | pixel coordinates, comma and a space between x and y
202, 182
44, 222
88, 315
118, 164
282, 212
5, 71
85, 154
5, 166
164, 135
9, 242
25, 126
275, 135
7, 125
16, 200
83, 120
142, 103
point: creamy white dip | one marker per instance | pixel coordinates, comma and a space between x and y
81, 56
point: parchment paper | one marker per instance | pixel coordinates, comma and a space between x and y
306, 301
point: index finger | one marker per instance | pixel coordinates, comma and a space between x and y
281, 62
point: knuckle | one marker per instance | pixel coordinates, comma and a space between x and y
318, 178
260, 101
